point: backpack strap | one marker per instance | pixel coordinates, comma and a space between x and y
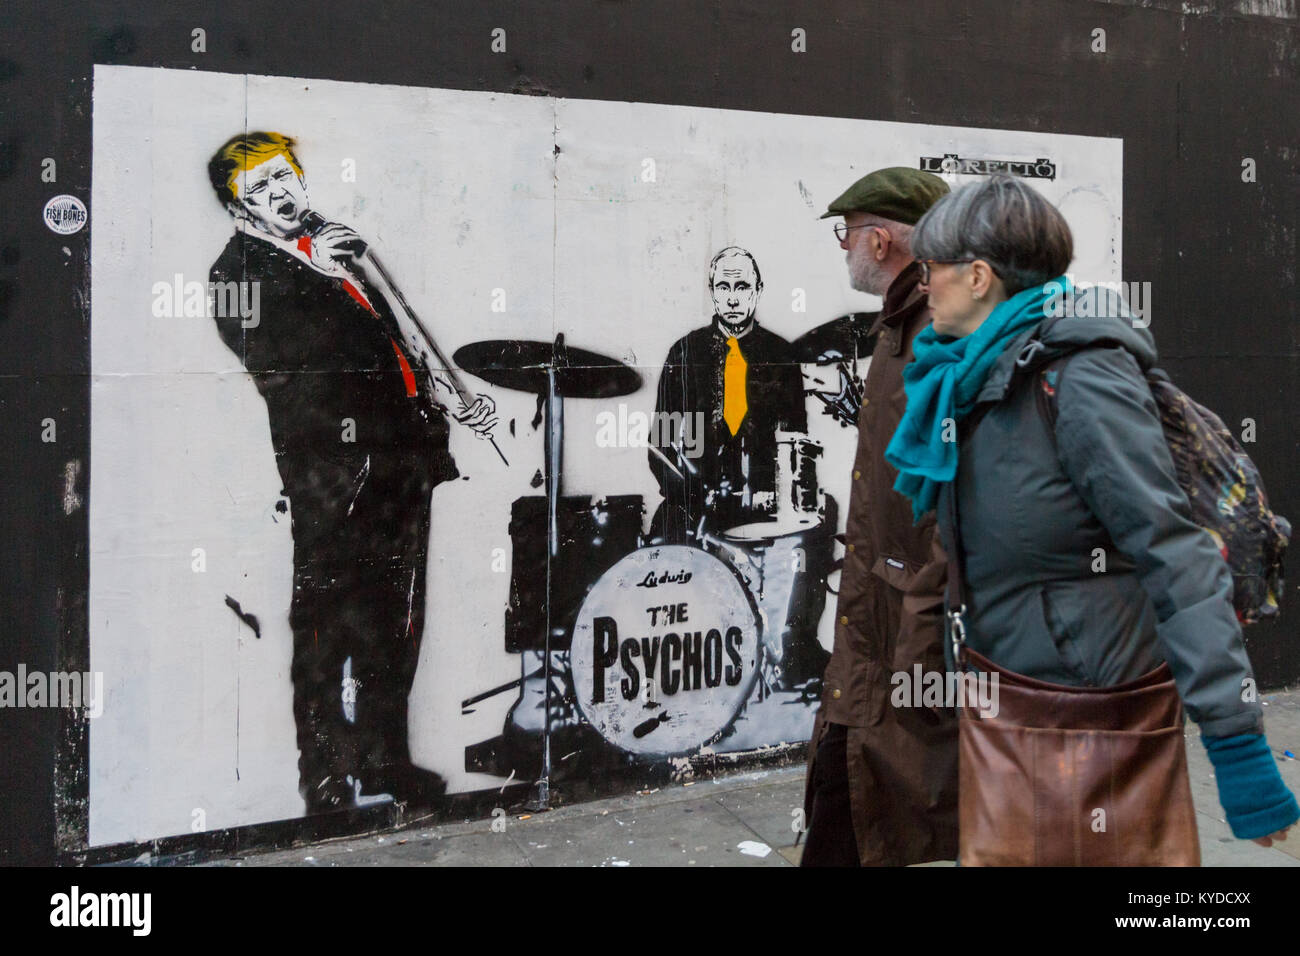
1050, 374
1043, 373
1046, 387
1046, 373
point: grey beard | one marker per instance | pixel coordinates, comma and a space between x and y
865, 277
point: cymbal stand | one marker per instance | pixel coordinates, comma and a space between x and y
554, 441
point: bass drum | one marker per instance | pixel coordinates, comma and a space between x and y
665, 651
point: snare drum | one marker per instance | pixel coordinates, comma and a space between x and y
665, 651
800, 502
799, 496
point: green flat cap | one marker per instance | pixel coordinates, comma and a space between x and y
897, 192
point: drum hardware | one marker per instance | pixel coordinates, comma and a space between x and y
554, 455
559, 674
556, 371
810, 693
536, 693
467, 705
841, 400
664, 458
834, 358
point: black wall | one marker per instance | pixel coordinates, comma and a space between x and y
1191, 96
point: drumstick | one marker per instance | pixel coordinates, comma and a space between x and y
664, 458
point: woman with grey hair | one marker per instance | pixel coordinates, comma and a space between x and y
1026, 506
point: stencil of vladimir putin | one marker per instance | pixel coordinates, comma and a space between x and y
745, 381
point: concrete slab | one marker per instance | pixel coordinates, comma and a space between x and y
697, 832
483, 848
770, 808
792, 854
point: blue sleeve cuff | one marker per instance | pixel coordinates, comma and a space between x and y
1256, 801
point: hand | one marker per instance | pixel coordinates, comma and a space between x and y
481, 416
337, 245
1268, 840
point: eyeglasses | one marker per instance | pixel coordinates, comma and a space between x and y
842, 229
925, 266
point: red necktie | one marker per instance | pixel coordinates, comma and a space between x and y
408, 376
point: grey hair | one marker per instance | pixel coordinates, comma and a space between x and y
1003, 221
899, 232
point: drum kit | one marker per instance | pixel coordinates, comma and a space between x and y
654, 648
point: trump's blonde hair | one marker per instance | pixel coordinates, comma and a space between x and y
244, 152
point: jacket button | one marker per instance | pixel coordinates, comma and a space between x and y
866, 402
851, 548
844, 619
836, 693
857, 475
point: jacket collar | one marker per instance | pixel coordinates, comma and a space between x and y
904, 302
999, 377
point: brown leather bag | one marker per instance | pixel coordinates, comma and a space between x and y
1067, 776
1075, 776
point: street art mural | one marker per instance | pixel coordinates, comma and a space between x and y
360, 442
446, 440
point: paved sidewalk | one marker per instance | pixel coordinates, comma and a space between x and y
743, 819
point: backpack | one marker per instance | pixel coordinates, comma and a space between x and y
1222, 484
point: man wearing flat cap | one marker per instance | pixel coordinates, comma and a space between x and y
882, 780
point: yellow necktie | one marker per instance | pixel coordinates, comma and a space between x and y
734, 404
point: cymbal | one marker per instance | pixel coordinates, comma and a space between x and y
522, 365
845, 337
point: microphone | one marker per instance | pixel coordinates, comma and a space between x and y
313, 222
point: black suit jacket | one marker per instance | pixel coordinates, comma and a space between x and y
320, 358
692, 381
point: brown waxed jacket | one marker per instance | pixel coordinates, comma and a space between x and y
902, 761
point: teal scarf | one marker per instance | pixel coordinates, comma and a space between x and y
942, 383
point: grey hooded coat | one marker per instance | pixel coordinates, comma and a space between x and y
1083, 566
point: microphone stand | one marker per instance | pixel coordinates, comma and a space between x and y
313, 222
445, 365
